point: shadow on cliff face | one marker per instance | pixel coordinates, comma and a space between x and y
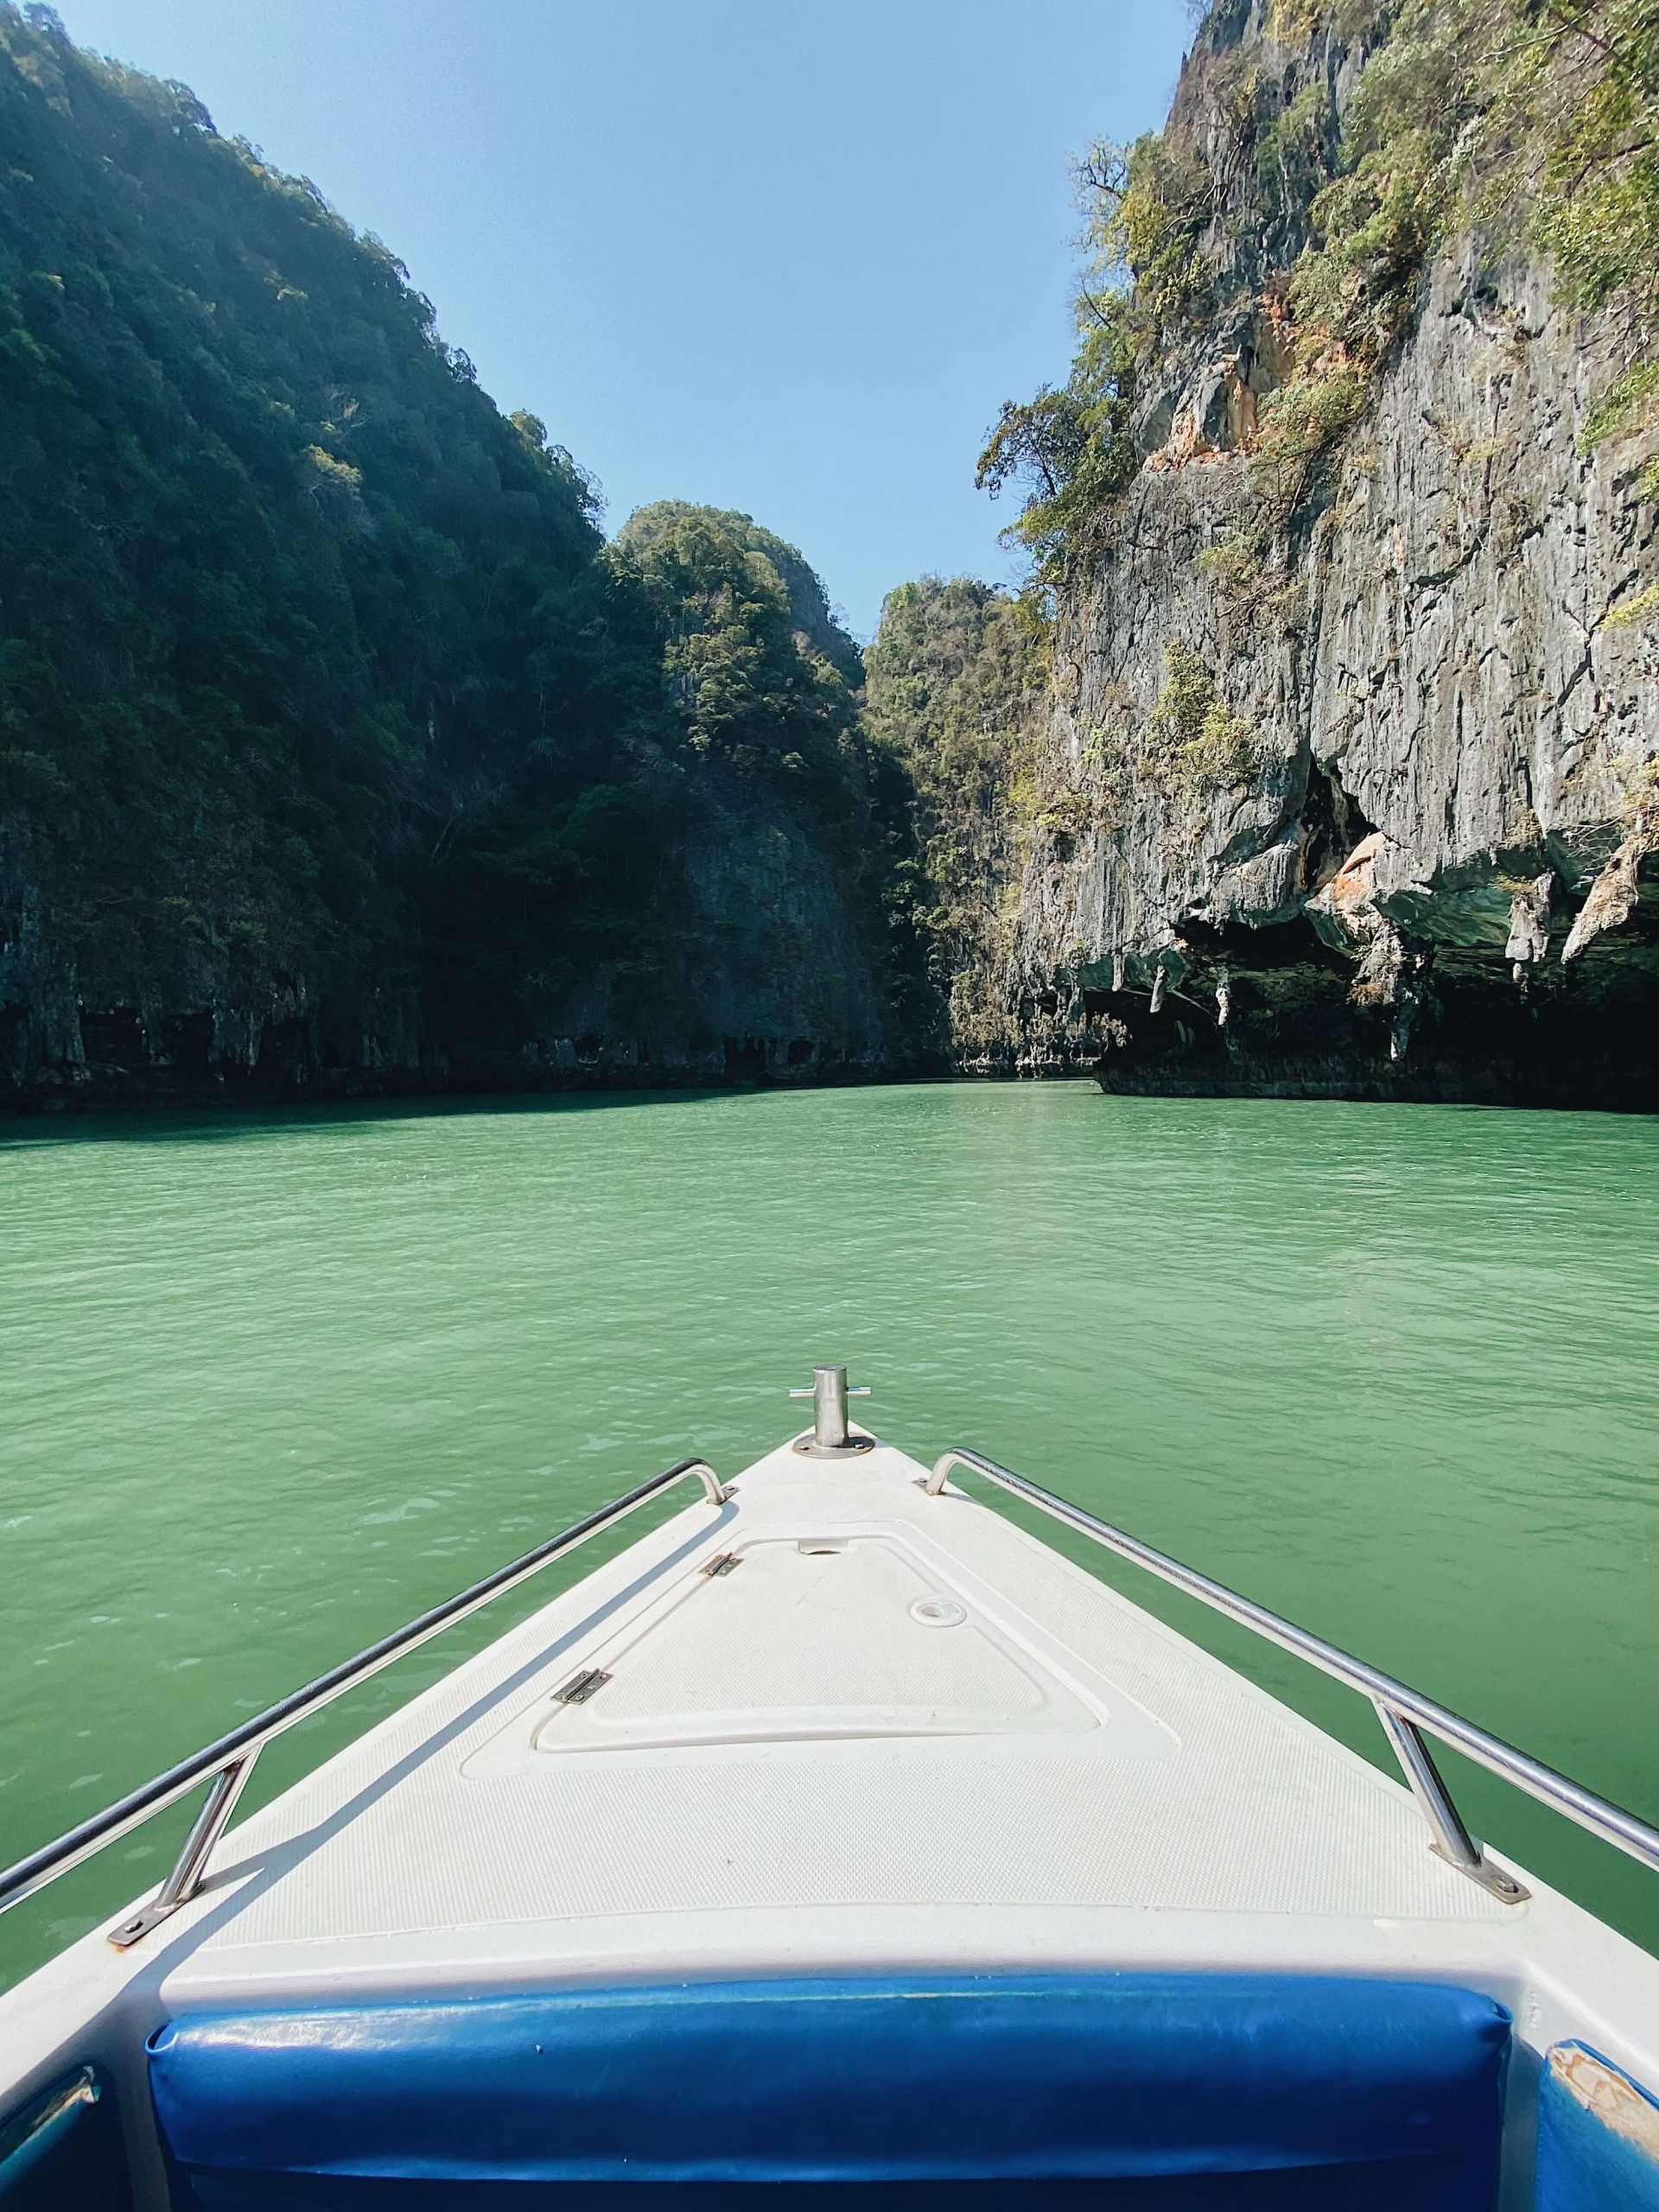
591, 1070
1277, 1016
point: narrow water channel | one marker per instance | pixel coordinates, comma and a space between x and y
272, 1383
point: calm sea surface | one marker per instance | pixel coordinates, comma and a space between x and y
272, 1383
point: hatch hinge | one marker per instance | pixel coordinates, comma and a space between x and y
722, 1563
581, 1688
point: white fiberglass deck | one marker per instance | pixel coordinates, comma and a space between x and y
788, 1738
809, 1763
893, 1731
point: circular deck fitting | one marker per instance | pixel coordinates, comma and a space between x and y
809, 1450
938, 1612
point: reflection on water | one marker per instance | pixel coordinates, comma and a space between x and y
272, 1383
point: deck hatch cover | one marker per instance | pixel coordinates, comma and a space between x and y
803, 1645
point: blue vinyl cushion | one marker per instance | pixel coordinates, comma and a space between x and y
1128, 2079
1586, 2164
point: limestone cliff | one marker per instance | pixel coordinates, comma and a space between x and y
768, 976
1347, 784
763, 966
339, 751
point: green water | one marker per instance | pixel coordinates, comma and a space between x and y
273, 1382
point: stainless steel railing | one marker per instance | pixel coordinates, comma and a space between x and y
229, 1761
1404, 1713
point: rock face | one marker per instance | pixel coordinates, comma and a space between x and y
337, 753
1432, 879
769, 978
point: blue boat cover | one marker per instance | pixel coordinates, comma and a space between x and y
1155, 2089
1587, 2162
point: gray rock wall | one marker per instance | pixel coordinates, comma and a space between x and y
768, 978
1428, 884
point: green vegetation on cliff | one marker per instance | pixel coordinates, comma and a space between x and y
334, 737
758, 678
958, 686
322, 701
287, 602
1526, 122
756, 672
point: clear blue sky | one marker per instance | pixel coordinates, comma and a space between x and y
788, 256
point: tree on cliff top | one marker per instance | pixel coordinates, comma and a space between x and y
1520, 118
755, 673
958, 679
